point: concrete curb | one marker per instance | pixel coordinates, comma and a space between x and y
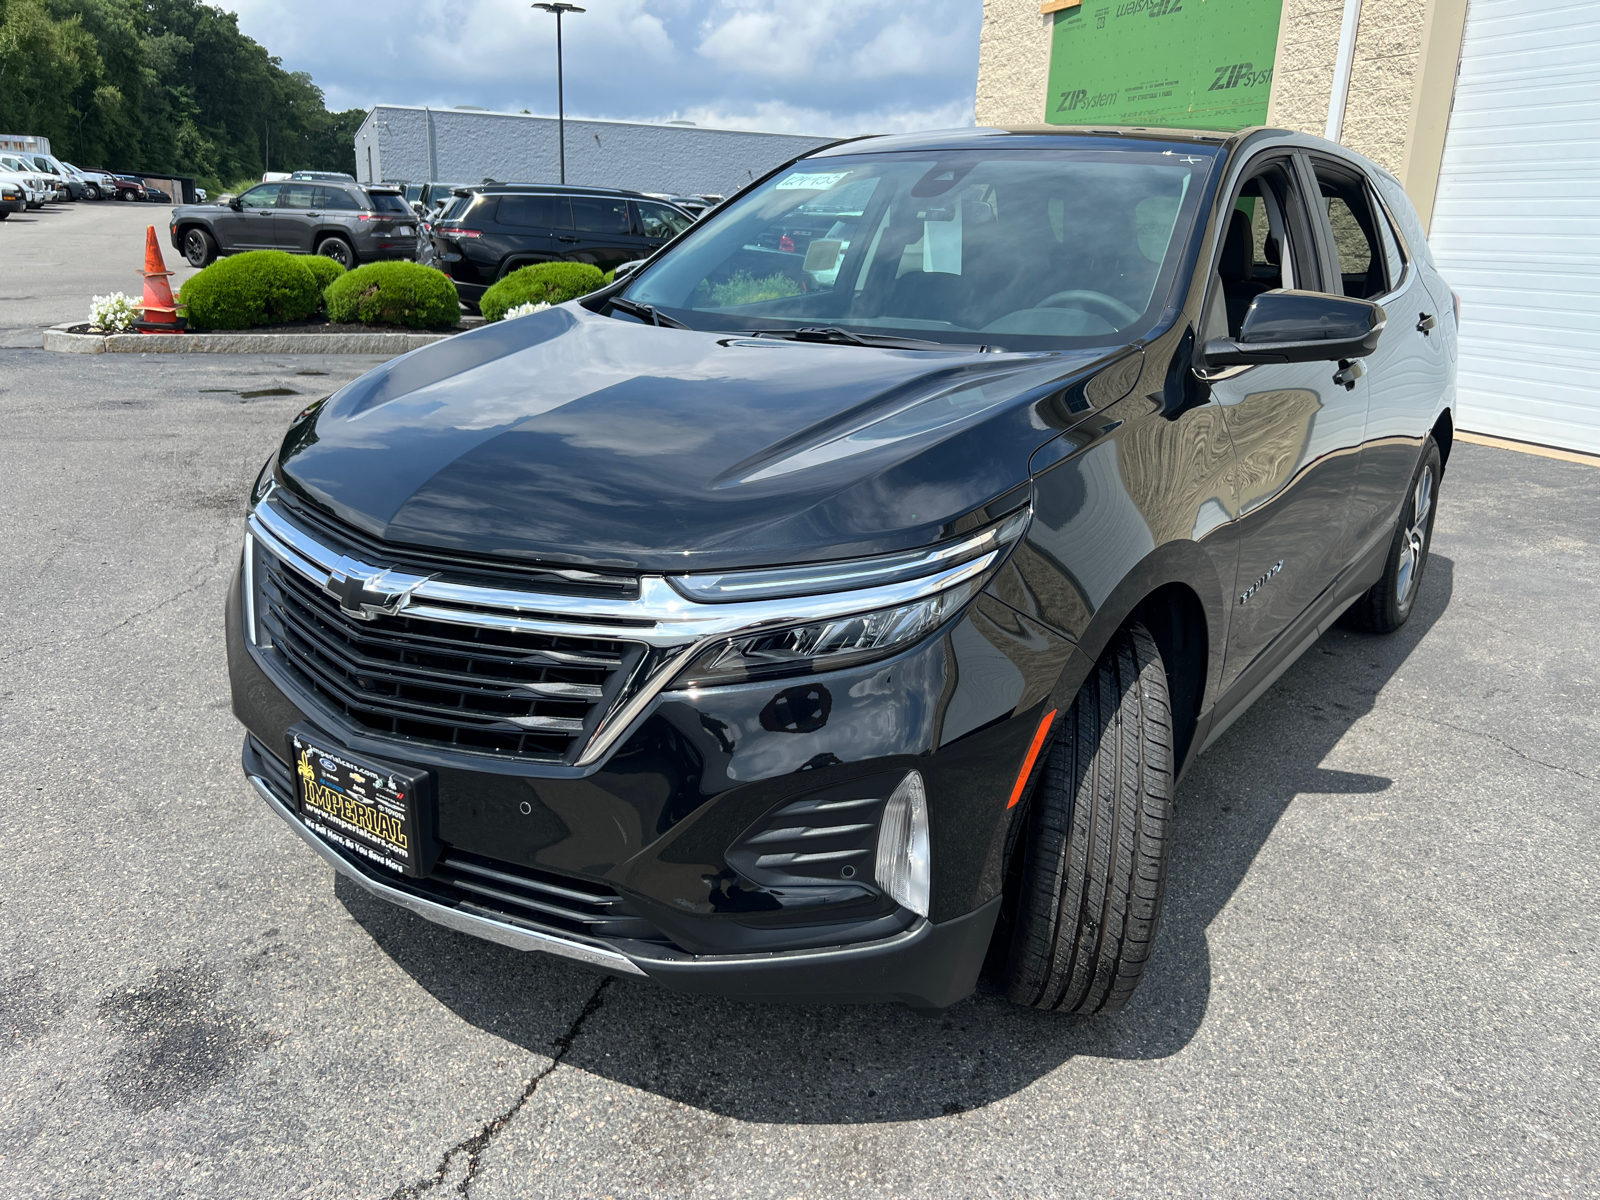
60, 339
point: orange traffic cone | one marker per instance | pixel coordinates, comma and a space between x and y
160, 313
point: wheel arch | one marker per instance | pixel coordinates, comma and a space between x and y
1176, 594
1444, 433
515, 262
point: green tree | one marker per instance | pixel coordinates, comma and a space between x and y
161, 86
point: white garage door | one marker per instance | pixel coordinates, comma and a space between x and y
1516, 226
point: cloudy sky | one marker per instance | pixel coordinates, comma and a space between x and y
796, 66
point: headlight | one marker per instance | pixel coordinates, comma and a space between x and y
263, 483
852, 637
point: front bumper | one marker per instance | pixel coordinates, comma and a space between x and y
655, 820
926, 966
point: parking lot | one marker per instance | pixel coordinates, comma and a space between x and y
56, 257
1376, 975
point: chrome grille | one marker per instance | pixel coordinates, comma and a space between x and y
469, 687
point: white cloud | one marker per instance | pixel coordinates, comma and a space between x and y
814, 66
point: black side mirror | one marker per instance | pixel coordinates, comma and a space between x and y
1294, 326
233, 203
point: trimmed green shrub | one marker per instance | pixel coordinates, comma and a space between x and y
394, 293
324, 268
550, 283
743, 288
259, 287
608, 278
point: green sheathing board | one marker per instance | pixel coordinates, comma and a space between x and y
1188, 64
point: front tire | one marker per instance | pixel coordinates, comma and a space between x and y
92, 192
1087, 900
198, 247
1388, 604
339, 250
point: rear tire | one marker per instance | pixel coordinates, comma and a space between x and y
199, 248
1094, 866
1388, 604
339, 250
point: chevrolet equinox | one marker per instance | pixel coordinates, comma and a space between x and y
829, 607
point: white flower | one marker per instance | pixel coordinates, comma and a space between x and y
525, 310
114, 313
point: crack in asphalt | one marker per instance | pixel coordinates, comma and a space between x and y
474, 1146
1501, 742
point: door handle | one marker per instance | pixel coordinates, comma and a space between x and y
312, 214
1350, 370
566, 239
1425, 322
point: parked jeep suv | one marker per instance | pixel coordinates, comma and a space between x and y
496, 229
817, 622
345, 222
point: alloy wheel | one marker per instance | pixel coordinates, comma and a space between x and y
1416, 538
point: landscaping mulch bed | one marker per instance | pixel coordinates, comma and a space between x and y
315, 325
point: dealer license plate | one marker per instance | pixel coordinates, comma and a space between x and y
361, 805
405, 231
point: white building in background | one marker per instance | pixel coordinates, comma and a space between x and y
401, 143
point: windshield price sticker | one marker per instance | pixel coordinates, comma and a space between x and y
800, 181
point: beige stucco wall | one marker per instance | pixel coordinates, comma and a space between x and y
1013, 63
1377, 115
1302, 80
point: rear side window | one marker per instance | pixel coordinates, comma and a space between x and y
336, 199
534, 212
298, 195
1363, 267
595, 214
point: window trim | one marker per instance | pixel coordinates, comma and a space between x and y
1376, 208
1285, 157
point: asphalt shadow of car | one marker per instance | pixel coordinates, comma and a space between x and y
860, 1064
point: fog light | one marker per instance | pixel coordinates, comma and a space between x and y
904, 865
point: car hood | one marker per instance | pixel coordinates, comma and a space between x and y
569, 437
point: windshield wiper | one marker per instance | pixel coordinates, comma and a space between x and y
845, 337
645, 312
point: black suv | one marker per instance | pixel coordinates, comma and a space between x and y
833, 603
344, 221
491, 230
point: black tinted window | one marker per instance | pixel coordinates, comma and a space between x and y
389, 202
337, 200
592, 214
535, 212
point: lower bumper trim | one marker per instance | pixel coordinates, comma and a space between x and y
464, 922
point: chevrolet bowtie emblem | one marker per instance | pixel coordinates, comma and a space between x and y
367, 596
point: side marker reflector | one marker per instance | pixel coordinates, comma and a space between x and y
1033, 754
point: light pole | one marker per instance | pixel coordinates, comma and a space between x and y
561, 98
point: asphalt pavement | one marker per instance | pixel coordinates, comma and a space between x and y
1376, 976
53, 259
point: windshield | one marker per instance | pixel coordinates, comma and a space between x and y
1027, 248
